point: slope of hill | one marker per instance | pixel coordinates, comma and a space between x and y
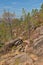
30, 56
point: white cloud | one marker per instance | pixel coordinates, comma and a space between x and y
1, 9
14, 3
7, 7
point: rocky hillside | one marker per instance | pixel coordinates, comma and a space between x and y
24, 52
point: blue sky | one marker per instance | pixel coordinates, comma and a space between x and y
17, 5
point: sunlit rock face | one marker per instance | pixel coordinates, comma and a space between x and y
38, 47
41, 30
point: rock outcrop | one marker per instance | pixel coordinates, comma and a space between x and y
6, 48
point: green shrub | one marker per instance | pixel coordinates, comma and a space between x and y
1, 44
